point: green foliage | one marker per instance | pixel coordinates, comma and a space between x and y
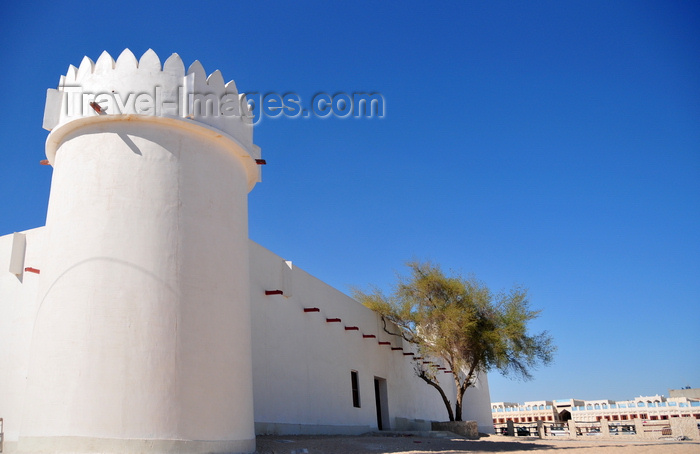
462, 322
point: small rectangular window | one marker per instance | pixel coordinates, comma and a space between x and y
355, 389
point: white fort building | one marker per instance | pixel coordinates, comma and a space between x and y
141, 318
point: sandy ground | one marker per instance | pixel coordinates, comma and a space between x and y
378, 444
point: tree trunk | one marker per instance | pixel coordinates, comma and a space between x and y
460, 394
458, 405
445, 400
461, 389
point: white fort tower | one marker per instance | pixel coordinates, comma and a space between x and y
142, 336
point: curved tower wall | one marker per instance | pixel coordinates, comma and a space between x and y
142, 341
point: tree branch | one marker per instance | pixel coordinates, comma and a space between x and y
401, 334
424, 376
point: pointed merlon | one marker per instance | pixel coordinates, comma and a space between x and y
197, 69
231, 87
216, 81
104, 64
174, 65
85, 69
126, 62
71, 74
150, 61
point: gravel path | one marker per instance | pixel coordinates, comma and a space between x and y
407, 444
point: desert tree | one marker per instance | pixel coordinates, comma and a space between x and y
460, 321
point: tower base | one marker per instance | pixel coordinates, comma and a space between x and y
89, 445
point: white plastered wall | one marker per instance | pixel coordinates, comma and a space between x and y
302, 364
17, 313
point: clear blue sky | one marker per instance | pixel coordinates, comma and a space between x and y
553, 144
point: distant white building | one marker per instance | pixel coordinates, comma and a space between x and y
644, 407
141, 318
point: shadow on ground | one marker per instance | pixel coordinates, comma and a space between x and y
384, 444
378, 444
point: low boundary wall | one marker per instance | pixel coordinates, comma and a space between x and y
683, 428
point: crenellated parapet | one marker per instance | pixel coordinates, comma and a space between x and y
146, 88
